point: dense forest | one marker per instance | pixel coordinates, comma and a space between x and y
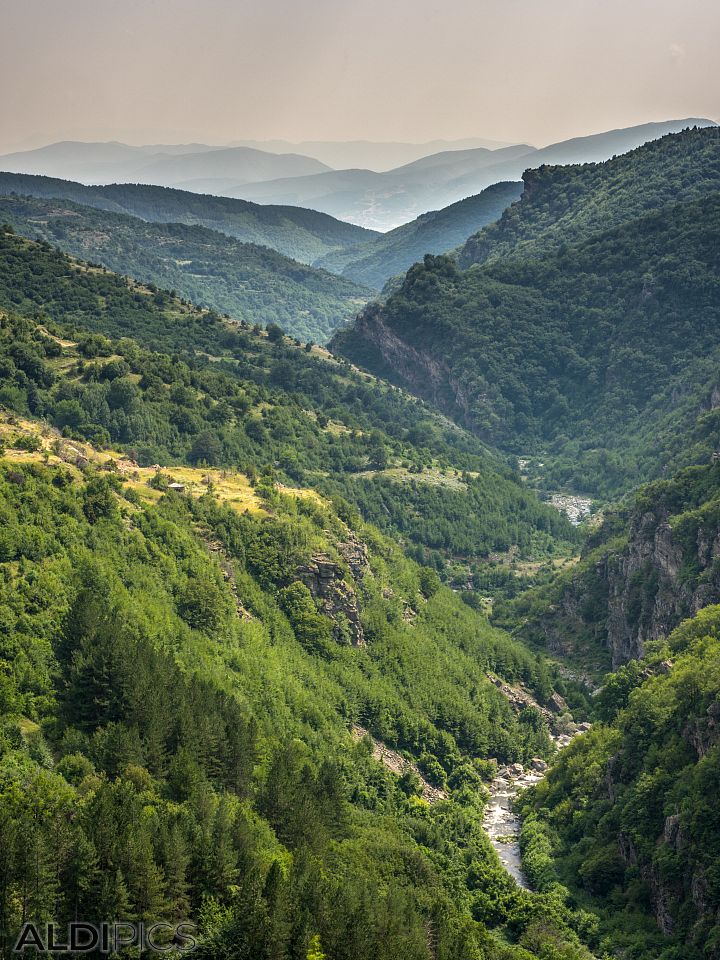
628, 817
594, 358
568, 204
181, 717
180, 683
276, 635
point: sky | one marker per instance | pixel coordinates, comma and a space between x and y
214, 71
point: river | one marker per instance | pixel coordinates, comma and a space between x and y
501, 824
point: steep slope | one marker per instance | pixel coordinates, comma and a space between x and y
565, 205
304, 235
231, 396
167, 166
650, 565
598, 357
628, 816
188, 654
175, 735
252, 283
386, 200
436, 232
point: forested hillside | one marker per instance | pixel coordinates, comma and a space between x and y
598, 357
568, 204
628, 817
253, 283
652, 563
439, 231
304, 235
191, 655
202, 389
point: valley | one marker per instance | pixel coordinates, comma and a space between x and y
359, 592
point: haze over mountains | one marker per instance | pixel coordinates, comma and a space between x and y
383, 201
369, 154
377, 200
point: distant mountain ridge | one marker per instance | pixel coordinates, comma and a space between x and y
108, 162
374, 155
385, 200
304, 235
437, 231
377, 200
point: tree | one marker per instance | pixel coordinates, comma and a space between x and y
206, 448
315, 951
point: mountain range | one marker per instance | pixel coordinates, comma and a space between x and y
385, 200
284, 629
376, 200
174, 166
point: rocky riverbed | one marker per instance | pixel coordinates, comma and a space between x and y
501, 824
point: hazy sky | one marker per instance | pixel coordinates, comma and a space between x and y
218, 70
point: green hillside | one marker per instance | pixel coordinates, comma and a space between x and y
627, 818
650, 564
189, 671
595, 358
222, 393
569, 204
253, 283
439, 231
179, 708
303, 235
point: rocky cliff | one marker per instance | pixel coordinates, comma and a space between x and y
334, 584
372, 343
640, 586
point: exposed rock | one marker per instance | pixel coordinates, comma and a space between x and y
325, 579
672, 832
398, 764
419, 370
704, 732
557, 704
640, 593
517, 697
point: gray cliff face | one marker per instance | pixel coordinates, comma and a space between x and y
326, 580
662, 576
419, 371
646, 596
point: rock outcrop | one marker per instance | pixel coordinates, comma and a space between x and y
664, 572
419, 371
326, 581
